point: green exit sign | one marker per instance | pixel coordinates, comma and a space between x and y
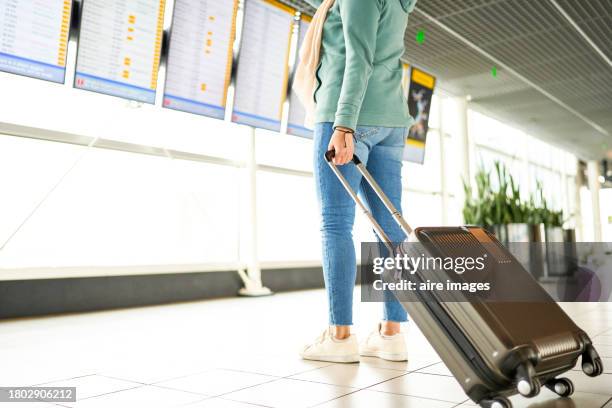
420, 37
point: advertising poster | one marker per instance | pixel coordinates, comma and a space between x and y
420, 95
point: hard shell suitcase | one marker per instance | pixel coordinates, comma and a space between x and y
494, 349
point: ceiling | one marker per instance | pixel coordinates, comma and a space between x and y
551, 79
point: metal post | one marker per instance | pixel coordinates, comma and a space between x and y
252, 277
578, 181
443, 181
594, 186
523, 156
465, 149
566, 204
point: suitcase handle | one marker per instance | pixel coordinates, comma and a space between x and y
329, 155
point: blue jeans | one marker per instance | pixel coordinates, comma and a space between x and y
380, 149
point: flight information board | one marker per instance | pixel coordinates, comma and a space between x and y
263, 69
34, 37
297, 113
200, 58
119, 48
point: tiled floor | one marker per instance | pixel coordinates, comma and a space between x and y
242, 353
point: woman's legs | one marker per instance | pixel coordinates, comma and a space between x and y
385, 165
384, 161
337, 217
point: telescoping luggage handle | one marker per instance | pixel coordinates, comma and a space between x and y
329, 155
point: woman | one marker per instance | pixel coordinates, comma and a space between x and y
360, 110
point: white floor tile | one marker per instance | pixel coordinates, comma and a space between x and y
216, 382
603, 340
466, 404
174, 344
438, 369
151, 371
148, 396
220, 403
349, 375
604, 351
425, 386
595, 329
289, 393
270, 365
597, 385
28, 373
548, 399
93, 385
375, 399
413, 363
596, 316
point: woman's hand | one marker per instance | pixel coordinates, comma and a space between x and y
343, 145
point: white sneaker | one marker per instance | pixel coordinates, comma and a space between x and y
327, 348
391, 348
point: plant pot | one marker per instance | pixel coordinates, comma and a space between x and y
500, 231
553, 234
557, 263
518, 232
537, 251
518, 237
571, 250
536, 232
569, 235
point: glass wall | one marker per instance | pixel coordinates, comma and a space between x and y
70, 206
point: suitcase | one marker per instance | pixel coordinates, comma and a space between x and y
493, 349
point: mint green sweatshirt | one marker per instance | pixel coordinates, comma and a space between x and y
360, 73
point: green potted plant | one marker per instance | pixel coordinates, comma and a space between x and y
500, 209
519, 228
515, 221
477, 207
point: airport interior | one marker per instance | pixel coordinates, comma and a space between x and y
160, 239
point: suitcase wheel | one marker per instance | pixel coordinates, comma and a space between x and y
527, 384
593, 369
591, 362
499, 402
563, 387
